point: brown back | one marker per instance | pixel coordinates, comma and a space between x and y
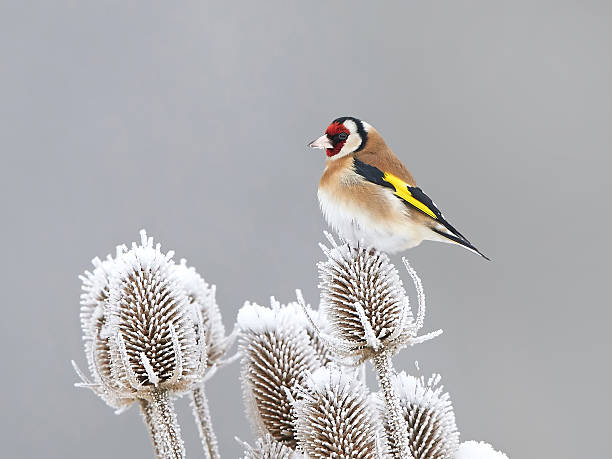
376, 153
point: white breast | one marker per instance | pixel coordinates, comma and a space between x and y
356, 225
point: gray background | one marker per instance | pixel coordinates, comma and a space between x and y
192, 120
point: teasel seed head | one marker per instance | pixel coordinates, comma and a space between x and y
276, 353
428, 411
203, 297
268, 448
478, 450
334, 417
365, 303
153, 337
139, 328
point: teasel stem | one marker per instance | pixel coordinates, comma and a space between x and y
167, 433
397, 424
148, 418
204, 422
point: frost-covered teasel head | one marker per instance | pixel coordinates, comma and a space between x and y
428, 411
143, 332
276, 353
152, 332
365, 303
268, 448
202, 295
334, 417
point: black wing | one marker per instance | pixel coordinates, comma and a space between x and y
415, 198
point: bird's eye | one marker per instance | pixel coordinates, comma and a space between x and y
342, 136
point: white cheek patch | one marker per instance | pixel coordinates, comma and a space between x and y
352, 143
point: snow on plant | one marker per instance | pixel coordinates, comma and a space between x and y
478, 450
153, 332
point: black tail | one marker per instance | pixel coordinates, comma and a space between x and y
459, 239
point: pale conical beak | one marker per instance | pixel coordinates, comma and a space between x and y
321, 143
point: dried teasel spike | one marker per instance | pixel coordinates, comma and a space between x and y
276, 353
478, 450
429, 416
334, 417
268, 448
152, 334
153, 338
365, 303
140, 337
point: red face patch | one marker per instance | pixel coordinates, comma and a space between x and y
333, 133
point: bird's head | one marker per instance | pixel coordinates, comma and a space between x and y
342, 137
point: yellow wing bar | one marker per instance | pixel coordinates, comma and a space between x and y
401, 190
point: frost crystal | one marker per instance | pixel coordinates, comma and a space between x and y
334, 418
428, 411
276, 352
268, 448
478, 450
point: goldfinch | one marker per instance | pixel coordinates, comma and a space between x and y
367, 195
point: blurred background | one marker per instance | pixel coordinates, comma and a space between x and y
191, 119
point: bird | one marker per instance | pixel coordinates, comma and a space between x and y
368, 196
